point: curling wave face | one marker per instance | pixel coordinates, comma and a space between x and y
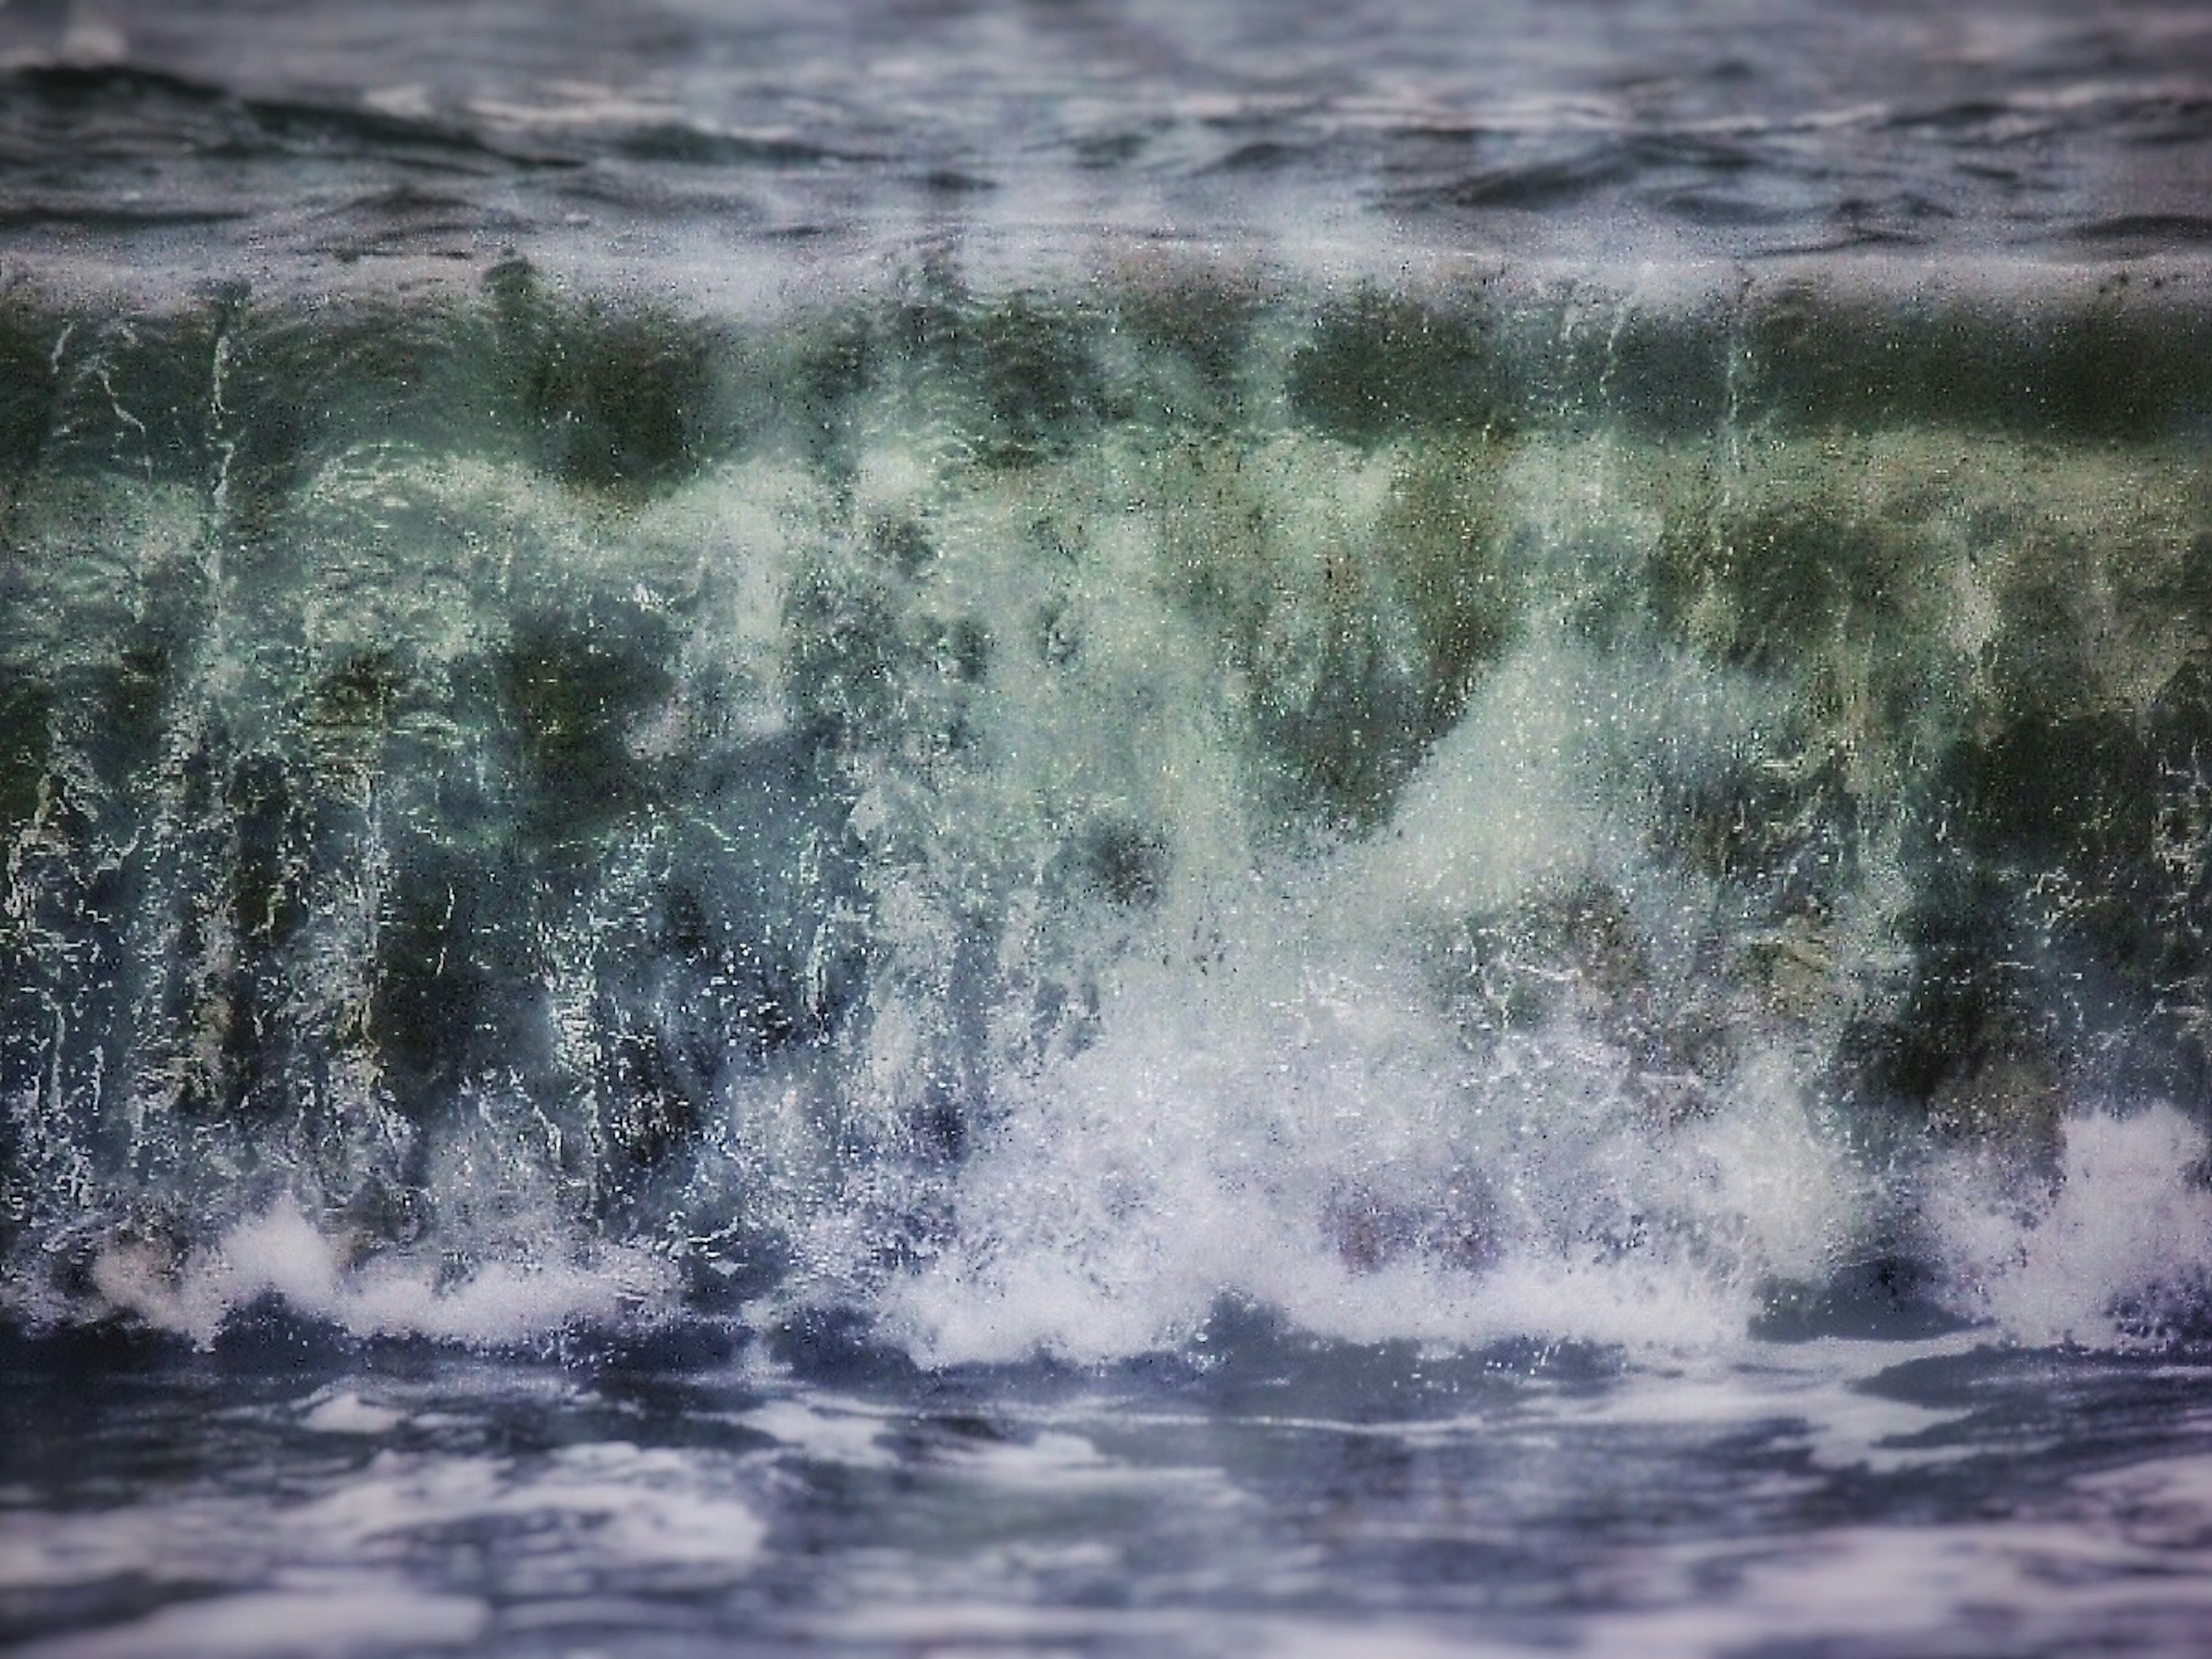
1450, 810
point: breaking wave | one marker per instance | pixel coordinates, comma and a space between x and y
1511, 807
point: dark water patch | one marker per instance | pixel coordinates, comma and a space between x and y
1892, 1297
2011, 1392
1965, 1046
1125, 864
117, 112
1658, 370
107, 107
2147, 230
1257, 155
451, 954
838, 1347
2046, 786
1037, 381
1412, 612
2125, 365
1246, 1362
135, 396
1194, 338
1378, 365
695, 146
2181, 118
318, 130
576, 686
305, 381
358, 693
610, 397
100, 214
1763, 589
1712, 207
1964, 113
1024, 365
26, 740
389, 222
27, 382
1549, 184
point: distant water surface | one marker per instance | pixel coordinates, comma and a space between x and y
232, 132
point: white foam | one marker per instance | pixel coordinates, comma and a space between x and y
650, 1519
281, 1253
345, 1412
653, 1518
839, 1432
2121, 1240
1817, 1386
1505, 801
2017, 1586
1193, 1153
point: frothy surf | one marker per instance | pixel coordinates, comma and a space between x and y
1031, 819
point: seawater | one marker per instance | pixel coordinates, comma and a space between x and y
1088, 830
1263, 1492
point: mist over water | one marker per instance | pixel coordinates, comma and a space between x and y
1173, 828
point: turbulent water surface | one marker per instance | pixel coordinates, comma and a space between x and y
1105, 827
